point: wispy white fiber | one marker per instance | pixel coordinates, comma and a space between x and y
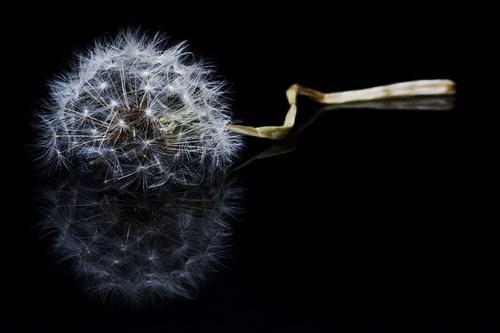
139, 111
140, 247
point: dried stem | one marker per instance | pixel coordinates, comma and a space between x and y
396, 90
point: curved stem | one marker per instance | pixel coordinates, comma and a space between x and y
396, 90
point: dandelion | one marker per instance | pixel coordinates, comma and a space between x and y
146, 114
140, 247
140, 113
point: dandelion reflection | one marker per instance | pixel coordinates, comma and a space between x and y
140, 246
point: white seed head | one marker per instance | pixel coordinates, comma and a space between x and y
131, 91
140, 246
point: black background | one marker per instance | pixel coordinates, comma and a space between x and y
378, 221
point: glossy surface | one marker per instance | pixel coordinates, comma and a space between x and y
378, 220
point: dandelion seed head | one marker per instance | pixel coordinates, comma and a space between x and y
131, 90
164, 246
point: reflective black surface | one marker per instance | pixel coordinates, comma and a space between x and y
138, 247
375, 220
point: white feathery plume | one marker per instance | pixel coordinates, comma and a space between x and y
139, 112
140, 247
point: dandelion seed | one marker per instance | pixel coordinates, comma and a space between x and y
140, 91
165, 244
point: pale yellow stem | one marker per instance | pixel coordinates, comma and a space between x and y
396, 90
